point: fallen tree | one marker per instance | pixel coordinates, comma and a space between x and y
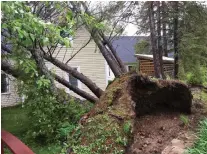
11, 70
109, 126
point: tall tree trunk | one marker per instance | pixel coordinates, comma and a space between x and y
107, 55
89, 83
164, 20
119, 61
155, 52
115, 64
175, 35
159, 38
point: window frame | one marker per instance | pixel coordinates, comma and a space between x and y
128, 67
8, 84
79, 82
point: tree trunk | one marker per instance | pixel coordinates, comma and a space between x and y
175, 35
75, 89
155, 52
110, 56
159, 39
80, 76
89, 83
107, 55
36, 54
164, 19
119, 61
9, 69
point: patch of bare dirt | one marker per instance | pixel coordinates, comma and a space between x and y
165, 132
153, 107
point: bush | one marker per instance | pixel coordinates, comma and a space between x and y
198, 76
52, 117
53, 120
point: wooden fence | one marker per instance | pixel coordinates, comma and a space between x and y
13, 144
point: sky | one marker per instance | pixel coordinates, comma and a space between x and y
130, 30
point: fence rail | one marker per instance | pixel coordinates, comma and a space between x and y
13, 144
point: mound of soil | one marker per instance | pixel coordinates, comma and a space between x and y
135, 115
155, 133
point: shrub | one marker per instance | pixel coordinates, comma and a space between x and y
201, 144
53, 120
198, 76
52, 117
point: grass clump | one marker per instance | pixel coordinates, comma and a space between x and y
15, 120
200, 146
101, 134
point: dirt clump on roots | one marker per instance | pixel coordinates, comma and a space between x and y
132, 108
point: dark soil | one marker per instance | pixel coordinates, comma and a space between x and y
153, 108
153, 132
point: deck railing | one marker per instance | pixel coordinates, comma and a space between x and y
13, 144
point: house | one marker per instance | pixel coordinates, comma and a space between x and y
88, 61
146, 65
9, 95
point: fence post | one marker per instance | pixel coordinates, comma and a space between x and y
2, 148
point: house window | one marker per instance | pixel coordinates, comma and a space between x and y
4, 83
130, 68
72, 80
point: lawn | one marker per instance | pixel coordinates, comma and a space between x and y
201, 143
15, 120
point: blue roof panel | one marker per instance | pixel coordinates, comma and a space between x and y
125, 47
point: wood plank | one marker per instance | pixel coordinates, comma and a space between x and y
14, 144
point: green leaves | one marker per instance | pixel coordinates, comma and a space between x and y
92, 22
142, 47
43, 83
45, 41
26, 27
67, 42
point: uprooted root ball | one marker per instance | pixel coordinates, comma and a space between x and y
108, 127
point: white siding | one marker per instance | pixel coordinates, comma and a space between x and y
89, 60
11, 97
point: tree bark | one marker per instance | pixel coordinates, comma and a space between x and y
107, 55
89, 83
119, 61
36, 54
164, 18
155, 52
80, 76
110, 56
159, 39
175, 35
75, 89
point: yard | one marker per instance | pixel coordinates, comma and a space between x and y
14, 120
93, 102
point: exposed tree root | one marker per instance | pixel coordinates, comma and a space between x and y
108, 127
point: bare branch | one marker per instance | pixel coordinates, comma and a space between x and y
79, 50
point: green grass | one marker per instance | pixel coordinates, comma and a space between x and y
15, 121
201, 96
200, 146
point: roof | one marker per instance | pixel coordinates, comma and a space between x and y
144, 56
125, 47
